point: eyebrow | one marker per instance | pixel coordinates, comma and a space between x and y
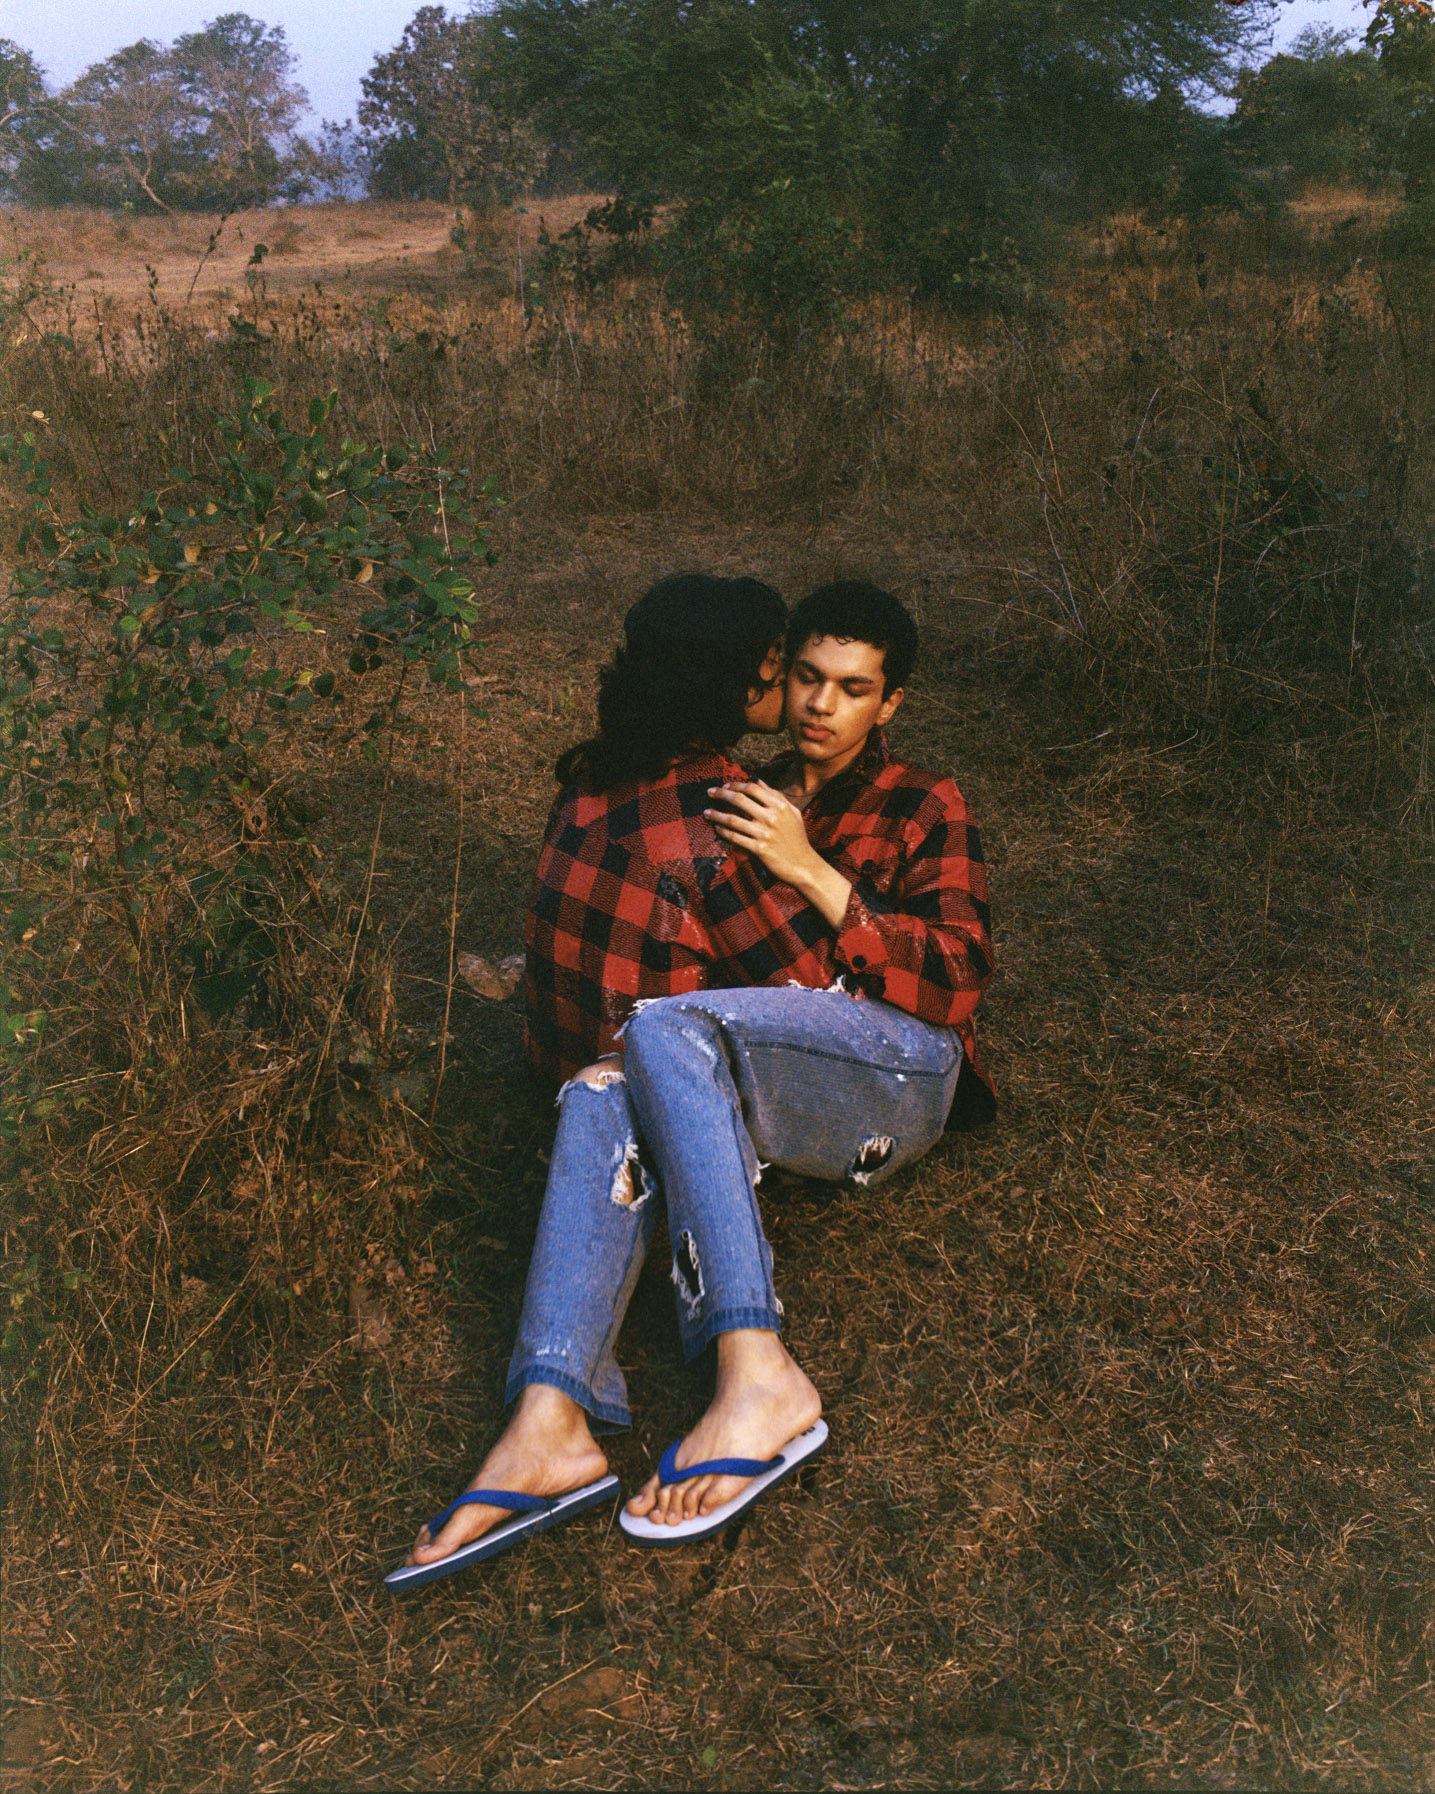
806, 666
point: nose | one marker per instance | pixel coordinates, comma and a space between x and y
819, 699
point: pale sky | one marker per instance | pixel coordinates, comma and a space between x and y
337, 43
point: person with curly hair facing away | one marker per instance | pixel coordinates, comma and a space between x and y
636, 897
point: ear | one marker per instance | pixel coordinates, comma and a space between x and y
890, 706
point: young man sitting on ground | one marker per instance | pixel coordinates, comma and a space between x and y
814, 1081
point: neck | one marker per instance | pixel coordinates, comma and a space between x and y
812, 777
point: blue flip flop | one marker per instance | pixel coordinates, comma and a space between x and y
533, 1514
765, 1474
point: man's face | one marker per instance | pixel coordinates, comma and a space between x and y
835, 699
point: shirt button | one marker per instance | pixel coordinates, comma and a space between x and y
859, 960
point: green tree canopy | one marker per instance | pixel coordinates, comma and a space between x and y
236, 77
919, 139
22, 83
125, 128
1323, 109
23, 105
207, 121
437, 117
1402, 35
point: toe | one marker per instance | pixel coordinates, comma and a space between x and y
646, 1499
432, 1549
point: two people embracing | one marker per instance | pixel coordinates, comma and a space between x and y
723, 972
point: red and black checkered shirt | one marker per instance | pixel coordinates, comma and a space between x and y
918, 926
636, 896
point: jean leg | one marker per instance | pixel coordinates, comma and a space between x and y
691, 1122
595, 1227
835, 1087
815, 1081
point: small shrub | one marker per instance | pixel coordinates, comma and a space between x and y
196, 1000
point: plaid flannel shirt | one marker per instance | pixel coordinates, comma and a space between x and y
636, 896
917, 931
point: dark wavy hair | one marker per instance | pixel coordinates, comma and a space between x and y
692, 656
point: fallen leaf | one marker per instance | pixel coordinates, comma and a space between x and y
489, 980
604, 1696
369, 1319
29, 1738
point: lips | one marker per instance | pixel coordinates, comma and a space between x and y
813, 732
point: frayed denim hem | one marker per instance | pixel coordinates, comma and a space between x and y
727, 1320
610, 1413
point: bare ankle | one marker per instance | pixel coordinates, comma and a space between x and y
548, 1411
753, 1355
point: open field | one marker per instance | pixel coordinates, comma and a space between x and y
366, 249
361, 249
1131, 1395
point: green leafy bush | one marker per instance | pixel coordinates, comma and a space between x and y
152, 662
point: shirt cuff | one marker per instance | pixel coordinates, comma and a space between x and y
860, 943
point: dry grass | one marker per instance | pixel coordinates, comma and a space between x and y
1131, 1396
106, 261
1206, 468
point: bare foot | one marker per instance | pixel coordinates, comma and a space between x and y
546, 1449
763, 1400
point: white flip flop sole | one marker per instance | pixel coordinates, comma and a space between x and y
644, 1531
511, 1532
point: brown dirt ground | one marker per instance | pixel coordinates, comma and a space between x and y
1131, 1395
370, 248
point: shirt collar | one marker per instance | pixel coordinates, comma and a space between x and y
861, 772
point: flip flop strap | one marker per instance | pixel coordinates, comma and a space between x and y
668, 1471
520, 1504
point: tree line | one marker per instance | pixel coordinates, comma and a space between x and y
206, 122
801, 148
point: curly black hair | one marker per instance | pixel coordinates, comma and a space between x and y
692, 657
854, 610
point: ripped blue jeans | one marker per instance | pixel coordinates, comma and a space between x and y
712, 1087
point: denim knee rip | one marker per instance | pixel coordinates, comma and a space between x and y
603, 1077
870, 1157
